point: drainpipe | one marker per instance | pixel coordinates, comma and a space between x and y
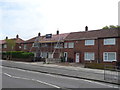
98, 61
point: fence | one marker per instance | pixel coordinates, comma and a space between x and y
112, 74
52, 60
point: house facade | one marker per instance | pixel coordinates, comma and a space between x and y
51, 46
100, 46
32, 45
16, 41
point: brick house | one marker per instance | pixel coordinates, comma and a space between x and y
98, 46
30, 45
5, 46
51, 46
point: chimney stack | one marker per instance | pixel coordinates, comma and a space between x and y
57, 32
6, 38
39, 34
86, 28
17, 36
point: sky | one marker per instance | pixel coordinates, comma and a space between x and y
29, 17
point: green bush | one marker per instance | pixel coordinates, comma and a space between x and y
18, 54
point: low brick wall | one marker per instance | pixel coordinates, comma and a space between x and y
99, 65
52, 60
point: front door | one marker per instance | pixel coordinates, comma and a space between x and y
77, 58
65, 55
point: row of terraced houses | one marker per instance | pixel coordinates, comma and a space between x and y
100, 46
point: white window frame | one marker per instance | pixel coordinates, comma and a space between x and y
71, 45
58, 45
86, 57
65, 45
107, 57
33, 45
4, 45
108, 42
25, 46
20, 47
87, 42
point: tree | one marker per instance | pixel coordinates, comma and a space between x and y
10, 45
111, 26
106, 27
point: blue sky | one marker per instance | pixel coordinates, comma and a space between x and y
28, 17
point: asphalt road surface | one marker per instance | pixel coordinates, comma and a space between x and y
18, 78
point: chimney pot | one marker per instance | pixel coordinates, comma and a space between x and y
57, 32
17, 36
39, 34
86, 28
6, 37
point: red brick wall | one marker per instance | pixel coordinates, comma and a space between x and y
107, 48
98, 49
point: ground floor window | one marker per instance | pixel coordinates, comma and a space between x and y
89, 56
109, 56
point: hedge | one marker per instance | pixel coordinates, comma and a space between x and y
18, 54
99, 65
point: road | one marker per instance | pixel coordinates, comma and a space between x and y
18, 78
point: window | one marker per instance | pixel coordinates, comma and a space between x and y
89, 55
34, 44
71, 45
109, 56
25, 46
58, 45
44, 45
110, 41
4, 46
65, 45
89, 42
20, 47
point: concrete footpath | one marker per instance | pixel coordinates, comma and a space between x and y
76, 71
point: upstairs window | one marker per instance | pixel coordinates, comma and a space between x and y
58, 45
89, 42
25, 46
65, 45
44, 45
4, 45
109, 41
35, 45
70, 45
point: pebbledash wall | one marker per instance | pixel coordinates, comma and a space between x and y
101, 46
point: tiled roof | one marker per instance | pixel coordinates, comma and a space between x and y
55, 38
32, 39
17, 40
93, 34
2, 41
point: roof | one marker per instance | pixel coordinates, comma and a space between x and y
2, 41
55, 38
94, 34
32, 39
17, 40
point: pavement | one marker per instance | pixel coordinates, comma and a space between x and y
18, 78
74, 70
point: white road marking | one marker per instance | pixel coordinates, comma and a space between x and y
109, 85
31, 80
8, 75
